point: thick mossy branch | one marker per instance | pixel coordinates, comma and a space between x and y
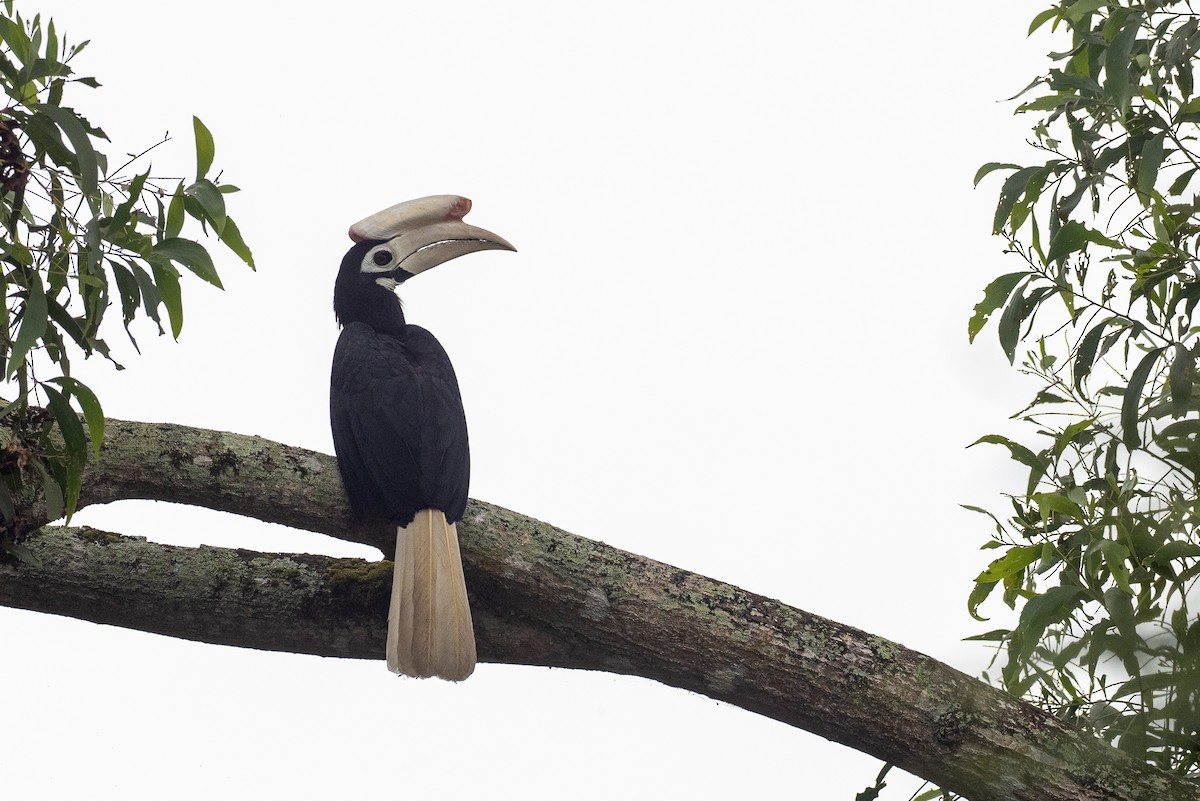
541, 596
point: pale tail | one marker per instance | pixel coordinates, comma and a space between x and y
429, 622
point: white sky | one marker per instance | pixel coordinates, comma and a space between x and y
734, 339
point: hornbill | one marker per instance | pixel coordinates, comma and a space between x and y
399, 430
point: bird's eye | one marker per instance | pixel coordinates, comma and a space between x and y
382, 257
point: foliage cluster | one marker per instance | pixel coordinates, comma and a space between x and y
78, 233
1100, 552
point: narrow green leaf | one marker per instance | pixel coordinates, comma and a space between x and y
1013, 188
191, 255
929, 795
1041, 19
71, 326
1010, 323
53, 487
232, 237
979, 594
151, 298
33, 323
1015, 560
87, 171
1085, 356
1053, 503
93, 415
1132, 400
211, 202
1147, 171
128, 288
1116, 557
1117, 83
1120, 610
990, 167
69, 426
994, 296
1018, 451
51, 42
1068, 435
1176, 549
1080, 8
1181, 378
175, 214
1179, 185
205, 148
121, 215
166, 278
18, 549
1051, 606
1075, 236
995, 635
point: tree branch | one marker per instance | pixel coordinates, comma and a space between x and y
541, 596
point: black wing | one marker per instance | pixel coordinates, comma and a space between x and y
398, 425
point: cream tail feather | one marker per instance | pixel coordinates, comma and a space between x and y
429, 622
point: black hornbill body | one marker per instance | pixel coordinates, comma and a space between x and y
399, 429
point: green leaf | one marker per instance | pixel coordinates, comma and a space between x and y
994, 296
1117, 83
93, 415
1018, 451
1052, 503
63, 319
205, 149
995, 635
1013, 188
990, 167
978, 595
1115, 557
18, 549
56, 506
1010, 323
68, 425
175, 214
1041, 19
1075, 236
33, 323
1081, 8
211, 202
1148, 164
128, 289
1085, 356
191, 255
87, 171
1042, 610
1068, 435
151, 298
929, 795
232, 237
166, 278
1120, 610
121, 215
1181, 379
1133, 398
1179, 185
1015, 560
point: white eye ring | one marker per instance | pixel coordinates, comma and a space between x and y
379, 259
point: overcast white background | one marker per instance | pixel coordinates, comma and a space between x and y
734, 340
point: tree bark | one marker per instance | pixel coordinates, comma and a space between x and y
541, 596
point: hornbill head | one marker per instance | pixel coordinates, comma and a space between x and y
395, 244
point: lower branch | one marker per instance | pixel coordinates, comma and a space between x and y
541, 596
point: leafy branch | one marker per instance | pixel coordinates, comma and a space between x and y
77, 238
1100, 550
